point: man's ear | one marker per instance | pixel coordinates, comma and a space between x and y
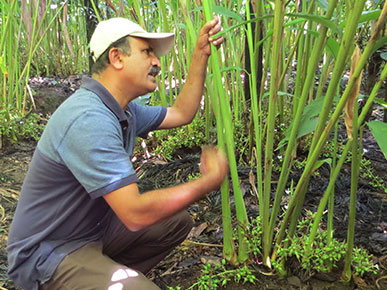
115, 58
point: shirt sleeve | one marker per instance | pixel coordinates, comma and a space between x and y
148, 118
94, 153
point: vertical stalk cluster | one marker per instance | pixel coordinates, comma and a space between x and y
305, 48
224, 120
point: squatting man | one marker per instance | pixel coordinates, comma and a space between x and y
81, 222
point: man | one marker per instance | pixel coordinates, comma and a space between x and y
81, 222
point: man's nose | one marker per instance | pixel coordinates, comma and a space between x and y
156, 61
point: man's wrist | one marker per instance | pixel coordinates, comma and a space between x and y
213, 180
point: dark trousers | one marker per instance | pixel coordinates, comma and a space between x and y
121, 258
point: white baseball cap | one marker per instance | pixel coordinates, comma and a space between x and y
111, 30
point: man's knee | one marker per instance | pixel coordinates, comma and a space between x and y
128, 279
185, 221
180, 225
171, 231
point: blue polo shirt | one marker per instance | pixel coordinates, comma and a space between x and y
85, 152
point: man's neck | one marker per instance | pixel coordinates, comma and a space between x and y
113, 87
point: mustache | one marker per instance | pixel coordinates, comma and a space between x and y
154, 70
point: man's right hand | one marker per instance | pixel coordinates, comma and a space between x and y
214, 164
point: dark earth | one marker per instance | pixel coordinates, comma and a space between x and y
184, 265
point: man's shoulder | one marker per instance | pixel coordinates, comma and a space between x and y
83, 104
80, 101
80, 113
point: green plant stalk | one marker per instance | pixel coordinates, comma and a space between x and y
336, 171
345, 50
235, 98
179, 61
166, 27
28, 65
96, 10
164, 68
323, 77
228, 243
331, 198
290, 56
308, 43
268, 163
255, 108
13, 90
5, 26
228, 131
207, 113
299, 73
355, 170
190, 31
327, 195
137, 9
363, 60
9, 52
34, 48
316, 56
299, 194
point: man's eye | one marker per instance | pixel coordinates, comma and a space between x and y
147, 51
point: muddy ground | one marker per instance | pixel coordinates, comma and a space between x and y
183, 266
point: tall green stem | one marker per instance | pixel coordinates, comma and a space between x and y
355, 170
274, 83
228, 134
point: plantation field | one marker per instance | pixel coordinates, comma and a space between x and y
184, 266
296, 96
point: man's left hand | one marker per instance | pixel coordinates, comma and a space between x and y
205, 37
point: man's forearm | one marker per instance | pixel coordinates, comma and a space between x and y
189, 98
156, 205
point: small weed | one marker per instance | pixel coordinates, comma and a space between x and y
215, 276
253, 237
169, 141
367, 172
194, 176
15, 127
324, 255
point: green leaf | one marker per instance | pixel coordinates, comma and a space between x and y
225, 30
367, 16
279, 93
323, 4
321, 162
322, 20
308, 121
380, 43
228, 13
381, 102
384, 55
222, 11
333, 46
237, 68
379, 131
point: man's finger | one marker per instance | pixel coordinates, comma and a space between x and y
211, 24
217, 41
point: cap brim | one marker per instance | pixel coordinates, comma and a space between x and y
161, 42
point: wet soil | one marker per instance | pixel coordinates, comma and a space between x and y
183, 266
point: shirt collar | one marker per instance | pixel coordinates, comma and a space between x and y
106, 97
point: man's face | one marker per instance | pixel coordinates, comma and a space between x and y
141, 67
